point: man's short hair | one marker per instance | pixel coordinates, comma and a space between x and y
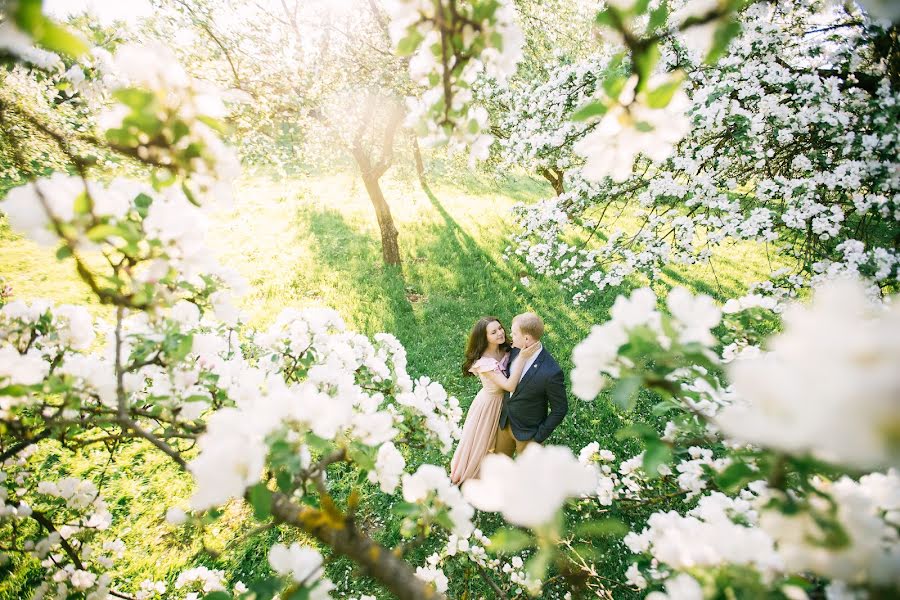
530, 324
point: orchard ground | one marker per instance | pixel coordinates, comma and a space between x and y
314, 241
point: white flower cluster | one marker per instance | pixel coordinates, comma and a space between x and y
303, 565
34, 336
440, 414
539, 131
598, 354
473, 548
751, 531
315, 377
489, 44
83, 512
18, 43
829, 385
631, 128
206, 580
546, 475
179, 98
336, 356
433, 574
719, 531
783, 149
174, 229
868, 512
430, 487
389, 466
631, 482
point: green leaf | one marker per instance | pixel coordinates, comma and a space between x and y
217, 596
29, 15
656, 454
592, 109
659, 15
300, 593
408, 45
637, 430
14, 390
602, 528
361, 456
735, 476
214, 124
625, 393
537, 565
267, 588
142, 202
261, 500
183, 348
59, 39
317, 443
63, 252
644, 62
640, 7
508, 540
134, 98
30, 19
406, 509
82, 204
725, 32
102, 231
605, 18
614, 83
189, 194
284, 481
663, 408
581, 552
662, 95
443, 519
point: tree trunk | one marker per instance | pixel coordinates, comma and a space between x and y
371, 173
390, 249
420, 165
555, 178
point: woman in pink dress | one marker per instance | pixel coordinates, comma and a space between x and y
487, 355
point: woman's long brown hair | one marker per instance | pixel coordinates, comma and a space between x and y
478, 343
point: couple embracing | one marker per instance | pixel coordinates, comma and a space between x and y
521, 382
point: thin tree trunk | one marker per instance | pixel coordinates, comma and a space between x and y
420, 164
390, 249
555, 178
371, 174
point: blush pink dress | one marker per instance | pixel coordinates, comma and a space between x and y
480, 429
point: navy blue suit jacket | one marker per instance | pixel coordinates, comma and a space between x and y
542, 389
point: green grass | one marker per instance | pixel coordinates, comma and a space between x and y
314, 241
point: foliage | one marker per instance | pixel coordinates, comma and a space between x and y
309, 425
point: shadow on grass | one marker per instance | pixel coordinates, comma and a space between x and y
372, 295
486, 284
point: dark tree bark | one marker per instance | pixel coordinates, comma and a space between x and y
371, 172
555, 177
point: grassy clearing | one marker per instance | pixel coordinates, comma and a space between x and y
314, 241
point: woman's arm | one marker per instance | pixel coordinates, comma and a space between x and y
515, 374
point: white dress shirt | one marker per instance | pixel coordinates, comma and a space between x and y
530, 362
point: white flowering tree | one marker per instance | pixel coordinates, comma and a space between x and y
789, 140
792, 497
256, 417
786, 453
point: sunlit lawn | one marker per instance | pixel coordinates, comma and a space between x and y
314, 241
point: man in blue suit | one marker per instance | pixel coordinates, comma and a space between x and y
524, 416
